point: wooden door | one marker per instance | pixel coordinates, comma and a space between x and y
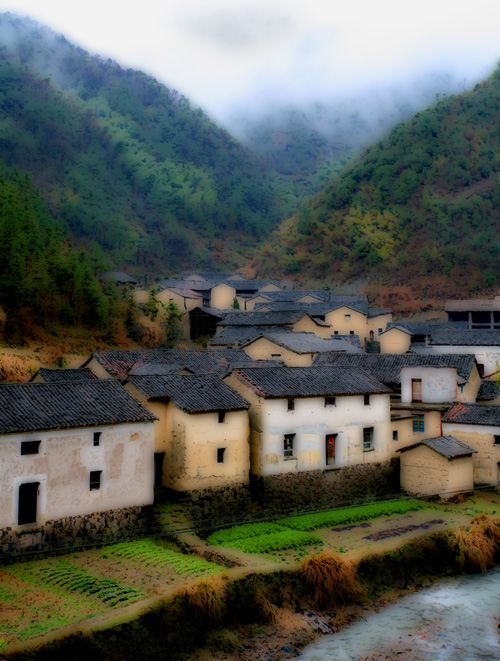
331, 440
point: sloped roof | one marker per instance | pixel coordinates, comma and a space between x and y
213, 276
186, 293
118, 276
27, 407
447, 446
307, 342
291, 295
354, 301
193, 285
387, 367
425, 327
190, 392
487, 391
200, 361
473, 414
309, 382
262, 318
63, 376
377, 312
466, 337
473, 305
243, 334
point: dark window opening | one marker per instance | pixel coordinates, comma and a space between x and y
367, 438
330, 401
395, 435
28, 497
366, 400
335, 332
418, 423
97, 438
30, 447
291, 405
496, 439
222, 415
351, 332
480, 369
288, 445
331, 440
220, 455
159, 456
95, 480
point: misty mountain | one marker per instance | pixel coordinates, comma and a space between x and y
125, 162
310, 143
420, 209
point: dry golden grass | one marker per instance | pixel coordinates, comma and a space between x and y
206, 600
15, 368
475, 547
333, 579
267, 611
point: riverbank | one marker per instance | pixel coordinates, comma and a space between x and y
268, 607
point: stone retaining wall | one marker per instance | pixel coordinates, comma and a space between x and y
279, 495
75, 531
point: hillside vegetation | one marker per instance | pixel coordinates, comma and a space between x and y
124, 162
420, 209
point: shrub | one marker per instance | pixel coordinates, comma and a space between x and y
206, 600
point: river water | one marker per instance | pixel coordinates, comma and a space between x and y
456, 619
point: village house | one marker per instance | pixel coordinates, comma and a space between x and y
296, 349
423, 387
296, 321
71, 449
201, 432
441, 465
314, 418
403, 336
483, 344
478, 314
477, 425
185, 299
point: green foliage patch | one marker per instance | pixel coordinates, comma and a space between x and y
246, 530
276, 541
69, 578
340, 517
147, 553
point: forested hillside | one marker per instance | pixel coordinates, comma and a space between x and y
420, 208
125, 162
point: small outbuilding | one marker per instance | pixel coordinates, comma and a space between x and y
441, 465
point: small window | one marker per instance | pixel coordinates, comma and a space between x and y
291, 405
222, 416
220, 455
351, 332
366, 400
367, 439
347, 317
395, 435
30, 447
95, 480
418, 423
496, 439
275, 355
335, 332
329, 401
97, 438
288, 445
480, 368
380, 331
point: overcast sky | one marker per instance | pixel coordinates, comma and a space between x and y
226, 53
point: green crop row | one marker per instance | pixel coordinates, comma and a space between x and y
246, 530
284, 539
147, 553
74, 579
340, 517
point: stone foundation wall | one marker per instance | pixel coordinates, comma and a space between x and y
280, 495
75, 531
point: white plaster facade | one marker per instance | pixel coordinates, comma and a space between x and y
437, 385
486, 356
62, 468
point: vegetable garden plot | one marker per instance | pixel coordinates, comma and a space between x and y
342, 516
229, 535
149, 554
66, 577
284, 539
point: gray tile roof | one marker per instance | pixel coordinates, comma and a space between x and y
425, 327
309, 382
473, 414
447, 446
200, 361
466, 338
377, 312
473, 305
291, 295
262, 318
355, 301
240, 335
192, 393
118, 276
387, 367
308, 342
63, 376
28, 407
488, 390
186, 293
193, 285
